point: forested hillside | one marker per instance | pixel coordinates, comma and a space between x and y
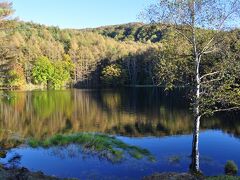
133, 32
131, 54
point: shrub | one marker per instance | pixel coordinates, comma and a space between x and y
231, 168
113, 75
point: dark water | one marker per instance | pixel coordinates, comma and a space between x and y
144, 117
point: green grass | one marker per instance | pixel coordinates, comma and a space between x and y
105, 146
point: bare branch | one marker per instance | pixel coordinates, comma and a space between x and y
223, 110
209, 74
187, 38
219, 28
226, 109
208, 52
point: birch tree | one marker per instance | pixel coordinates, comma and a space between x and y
203, 23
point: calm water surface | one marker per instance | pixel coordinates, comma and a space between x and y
144, 117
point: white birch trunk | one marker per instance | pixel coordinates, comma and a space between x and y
195, 167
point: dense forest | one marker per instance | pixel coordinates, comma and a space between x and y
129, 54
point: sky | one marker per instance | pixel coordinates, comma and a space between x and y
79, 13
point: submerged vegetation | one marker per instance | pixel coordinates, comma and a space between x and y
231, 168
174, 159
104, 146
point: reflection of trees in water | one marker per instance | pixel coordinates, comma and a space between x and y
146, 112
132, 112
226, 122
49, 103
38, 113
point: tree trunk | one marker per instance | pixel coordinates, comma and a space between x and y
195, 168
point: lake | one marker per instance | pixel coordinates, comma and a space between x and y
146, 118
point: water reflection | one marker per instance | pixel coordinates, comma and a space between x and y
172, 155
134, 114
128, 112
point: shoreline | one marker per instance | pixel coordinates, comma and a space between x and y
25, 174
187, 176
30, 87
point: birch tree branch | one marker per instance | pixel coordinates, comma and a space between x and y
209, 74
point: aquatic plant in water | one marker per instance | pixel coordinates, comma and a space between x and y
174, 159
105, 146
231, 168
